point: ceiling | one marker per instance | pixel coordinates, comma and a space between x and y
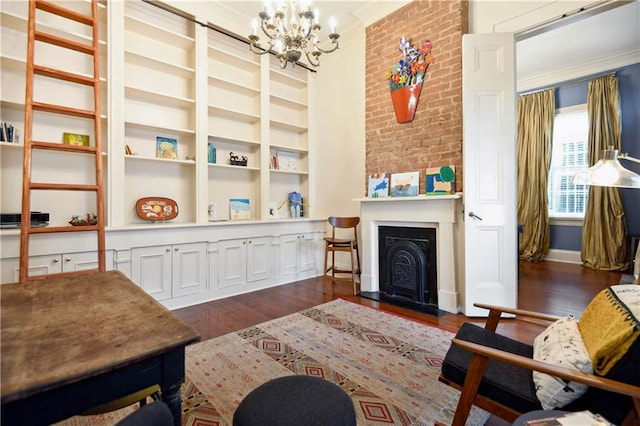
609, 34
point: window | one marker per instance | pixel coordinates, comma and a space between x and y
569, 154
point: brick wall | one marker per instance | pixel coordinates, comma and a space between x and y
434, 137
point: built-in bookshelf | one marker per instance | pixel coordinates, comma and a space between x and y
158, 64
48, 166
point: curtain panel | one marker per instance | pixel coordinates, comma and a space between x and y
604, 233
536, 113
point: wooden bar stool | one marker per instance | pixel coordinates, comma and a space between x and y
342, 241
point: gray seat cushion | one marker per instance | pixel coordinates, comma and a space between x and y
504, 383
296, 400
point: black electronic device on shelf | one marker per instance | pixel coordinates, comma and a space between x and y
13, 220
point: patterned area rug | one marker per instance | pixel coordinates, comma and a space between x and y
387, 364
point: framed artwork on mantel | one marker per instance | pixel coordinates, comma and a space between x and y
405, 184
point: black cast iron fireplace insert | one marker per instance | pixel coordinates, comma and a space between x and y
407, 268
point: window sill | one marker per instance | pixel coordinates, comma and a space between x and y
566, 221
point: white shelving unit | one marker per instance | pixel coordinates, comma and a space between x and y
166, 76
49, 127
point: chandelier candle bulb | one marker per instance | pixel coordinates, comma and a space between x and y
292, 32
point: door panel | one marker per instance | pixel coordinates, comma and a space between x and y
490, 180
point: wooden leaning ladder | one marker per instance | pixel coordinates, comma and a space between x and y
33, 35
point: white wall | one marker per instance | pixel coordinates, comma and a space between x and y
340, 118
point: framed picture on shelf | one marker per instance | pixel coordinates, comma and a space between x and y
75, 139
239, 208
405, 184
166, 148
378, 185
287, 161
440, 180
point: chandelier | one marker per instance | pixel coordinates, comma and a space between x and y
292, 30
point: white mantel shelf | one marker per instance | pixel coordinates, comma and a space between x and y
409, 199
442, 212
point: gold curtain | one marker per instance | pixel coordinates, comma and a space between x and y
536, 112
604, 233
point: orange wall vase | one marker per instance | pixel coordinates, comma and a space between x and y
405, 101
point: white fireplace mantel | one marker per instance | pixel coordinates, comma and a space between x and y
442, 212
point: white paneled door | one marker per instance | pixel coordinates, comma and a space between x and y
490, 179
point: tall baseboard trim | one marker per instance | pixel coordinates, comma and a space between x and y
565, 256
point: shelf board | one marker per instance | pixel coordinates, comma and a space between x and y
149, 30
290, 172
287, 103
276, 147
224, 139
231, 58
158, 65
155, 128
287, 126
19, 23
12, 145
236, 115
229, 167
146, 95
159, 160
287, 79
248, 90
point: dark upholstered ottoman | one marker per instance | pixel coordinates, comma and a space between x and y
296, 400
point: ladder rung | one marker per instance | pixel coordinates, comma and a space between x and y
63, 42
62, 11
56, 229
52, 146
63, 75
40, 106
62, 186
61, 274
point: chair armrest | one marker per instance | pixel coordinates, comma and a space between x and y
564, 373
495, 313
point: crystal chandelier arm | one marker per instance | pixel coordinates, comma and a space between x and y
334, 40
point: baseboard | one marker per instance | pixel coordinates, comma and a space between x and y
565, 256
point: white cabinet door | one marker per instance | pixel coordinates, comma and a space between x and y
297, 253
85, 260
289, 254
189, 269
151, 270
38, 265
307, 252
232, 261
259, 259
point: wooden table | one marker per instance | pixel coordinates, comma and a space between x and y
70, 344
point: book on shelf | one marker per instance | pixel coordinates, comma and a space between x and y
274, 162
166, 148
287, 161
239, 208
211, 153
75, 139
9, 133
378, 185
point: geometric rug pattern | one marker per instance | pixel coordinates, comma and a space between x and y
387, 364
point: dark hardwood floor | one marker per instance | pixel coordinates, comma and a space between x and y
551, 287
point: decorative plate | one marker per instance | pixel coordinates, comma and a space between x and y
156, 208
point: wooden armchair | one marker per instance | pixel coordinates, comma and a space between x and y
495, 372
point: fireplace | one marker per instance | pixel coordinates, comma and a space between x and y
443, 215
407, 263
